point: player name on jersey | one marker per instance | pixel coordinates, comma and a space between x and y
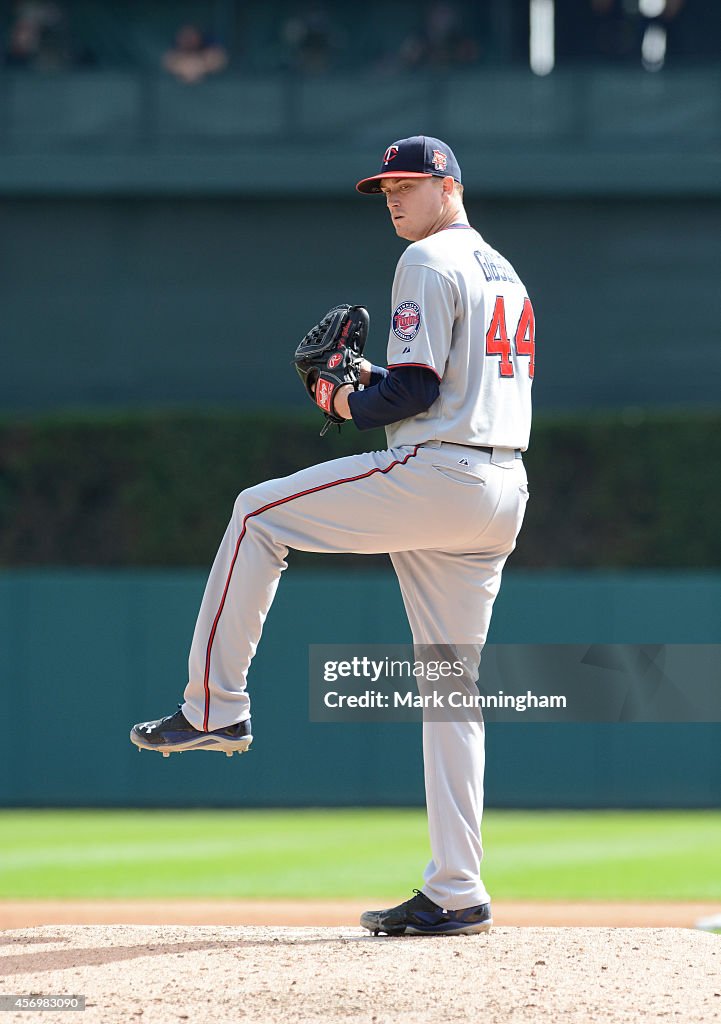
495, 267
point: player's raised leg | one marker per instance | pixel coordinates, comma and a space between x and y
366, 503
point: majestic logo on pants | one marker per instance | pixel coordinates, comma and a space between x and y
407, 321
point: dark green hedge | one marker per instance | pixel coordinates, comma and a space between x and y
157, 489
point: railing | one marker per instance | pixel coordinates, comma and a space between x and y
138, 113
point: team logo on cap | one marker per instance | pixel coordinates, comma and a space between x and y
390, 154
407, 321
440, 160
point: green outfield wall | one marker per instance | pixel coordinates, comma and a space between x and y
86, 653
126, 302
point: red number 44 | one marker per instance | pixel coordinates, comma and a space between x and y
498, 343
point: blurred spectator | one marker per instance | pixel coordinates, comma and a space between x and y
194, 55
448, 42
40, 39
443, 42
23, 45
312, 40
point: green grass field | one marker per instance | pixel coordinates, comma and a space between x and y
352, 854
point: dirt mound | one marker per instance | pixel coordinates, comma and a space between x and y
307, 975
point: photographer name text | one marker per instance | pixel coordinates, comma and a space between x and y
454, 699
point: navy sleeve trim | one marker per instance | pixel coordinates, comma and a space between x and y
425, 366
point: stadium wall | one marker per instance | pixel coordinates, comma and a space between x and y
127, 302
87, 653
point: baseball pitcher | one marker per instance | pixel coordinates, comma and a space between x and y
446, 500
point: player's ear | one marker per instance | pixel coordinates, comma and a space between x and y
448, 185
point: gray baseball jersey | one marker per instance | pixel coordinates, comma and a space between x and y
455, 300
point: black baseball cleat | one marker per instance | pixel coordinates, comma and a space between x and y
421, 916
175, 734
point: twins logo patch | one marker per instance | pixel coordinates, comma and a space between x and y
407, 321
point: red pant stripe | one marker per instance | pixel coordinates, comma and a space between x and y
257, 512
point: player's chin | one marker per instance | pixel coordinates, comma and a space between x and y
404, 230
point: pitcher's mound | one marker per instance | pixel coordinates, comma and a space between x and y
164, 974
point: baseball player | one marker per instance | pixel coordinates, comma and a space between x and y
446, 500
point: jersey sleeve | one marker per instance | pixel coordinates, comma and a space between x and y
402, 393
424, 309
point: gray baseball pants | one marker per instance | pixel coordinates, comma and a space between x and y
449, 516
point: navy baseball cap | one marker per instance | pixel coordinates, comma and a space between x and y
418, 157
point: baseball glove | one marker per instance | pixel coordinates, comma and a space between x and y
329, 356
